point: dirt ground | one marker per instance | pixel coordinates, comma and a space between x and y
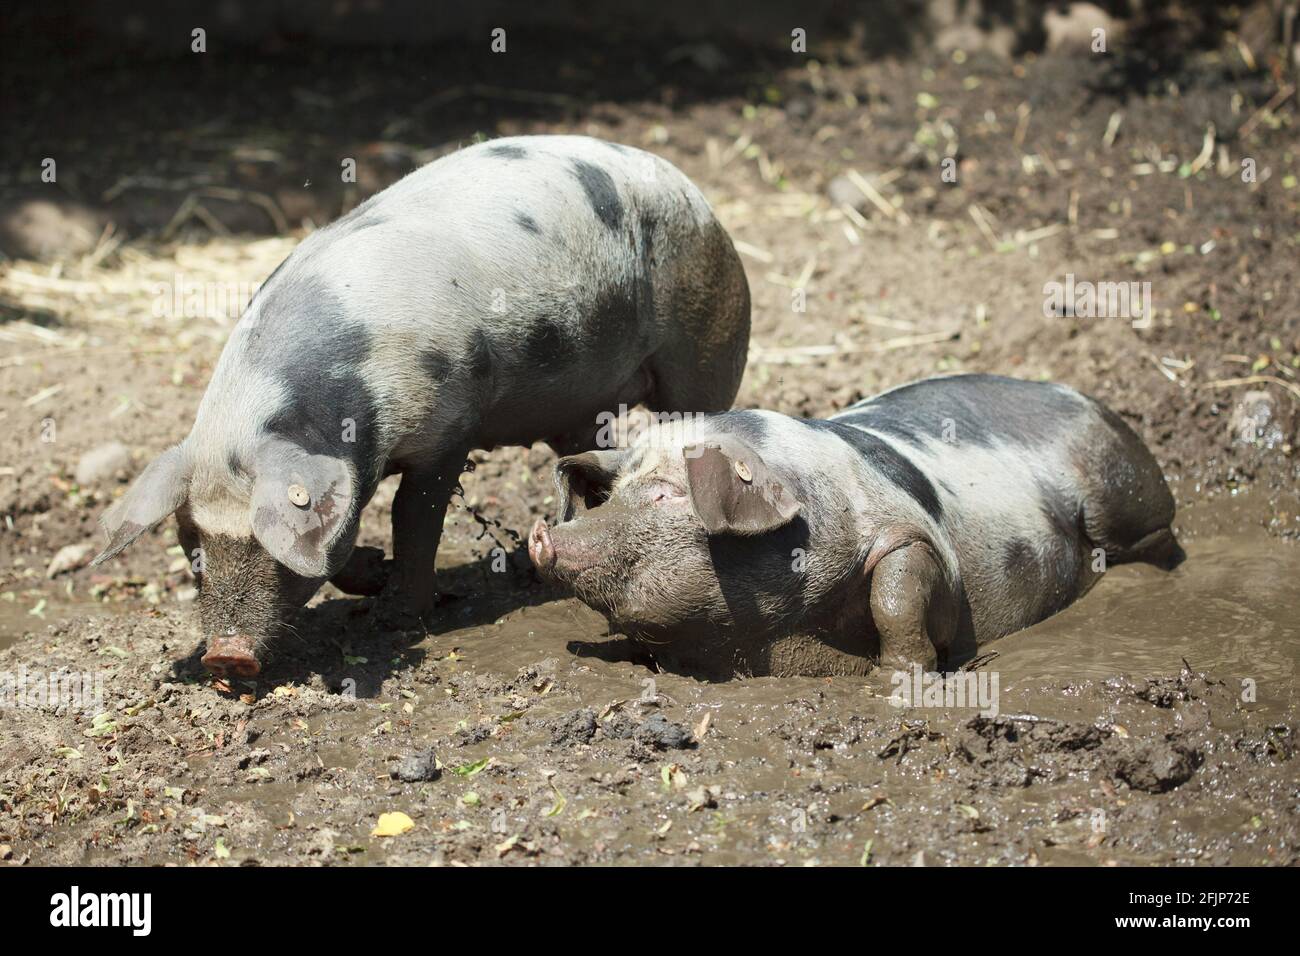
556, 743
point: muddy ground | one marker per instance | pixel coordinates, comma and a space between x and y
1153, 722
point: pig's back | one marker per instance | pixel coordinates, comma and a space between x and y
520, 260
575, 185
531, 218
981, 409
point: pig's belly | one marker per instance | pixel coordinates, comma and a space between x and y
568, 405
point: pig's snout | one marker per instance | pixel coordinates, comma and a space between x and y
541, 550
563, 552
232, 656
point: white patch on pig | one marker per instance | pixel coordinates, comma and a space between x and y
223, 514
229, 426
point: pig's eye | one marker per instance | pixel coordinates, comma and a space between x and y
663, 491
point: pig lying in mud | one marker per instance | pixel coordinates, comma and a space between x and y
504, 294
907, 529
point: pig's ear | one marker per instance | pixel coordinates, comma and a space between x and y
734, 492
160, 490
588, 476
302, 503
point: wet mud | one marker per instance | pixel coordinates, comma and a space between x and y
1152, 722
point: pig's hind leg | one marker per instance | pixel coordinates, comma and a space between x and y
913, 608
1127, 506
699, 368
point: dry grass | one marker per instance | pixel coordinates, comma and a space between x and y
125, 299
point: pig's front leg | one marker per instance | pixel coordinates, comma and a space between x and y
365, 573
913, 608
418, 511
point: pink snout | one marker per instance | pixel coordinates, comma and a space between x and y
232, 656
541, 549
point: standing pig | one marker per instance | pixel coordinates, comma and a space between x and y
504, 294
907, 529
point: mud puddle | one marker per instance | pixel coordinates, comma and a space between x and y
1232, 609
33, 615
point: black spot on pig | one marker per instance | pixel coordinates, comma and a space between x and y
613, 314
336, 415
1019, 559
527, 223
981, 409
1060, 561
601, 193
480, 355
892, 465
912, 432
437, 365
747, 425
547, 343
308, 344
645, 288
507, 151
1059, 509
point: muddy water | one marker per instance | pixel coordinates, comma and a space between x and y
1232, 608
31, 615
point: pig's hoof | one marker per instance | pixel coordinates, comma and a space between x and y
401, 608
540, 548
424, 607
232, 657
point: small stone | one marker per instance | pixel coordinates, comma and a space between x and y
1157, 766
6, 851
70, 557
187, 593
48, 228
419, 766
1254, 420
842, 192
798, 108
103, 464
